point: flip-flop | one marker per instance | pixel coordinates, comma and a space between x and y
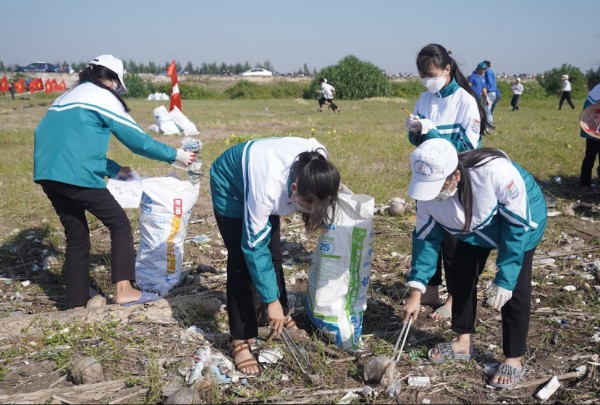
506, 370
447, 353
144, 298
444, 312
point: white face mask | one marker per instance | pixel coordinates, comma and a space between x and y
434, 84
300, 208
445, 194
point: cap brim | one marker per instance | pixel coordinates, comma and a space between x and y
424, 190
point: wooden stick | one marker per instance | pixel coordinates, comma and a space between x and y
566, 376
140, 391
18, 266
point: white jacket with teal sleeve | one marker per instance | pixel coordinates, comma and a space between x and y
72, 139
454, 113
509, 214
252, 181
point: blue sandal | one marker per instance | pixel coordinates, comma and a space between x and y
447, 353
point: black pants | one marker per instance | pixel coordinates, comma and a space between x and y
514, 102
592, 149
70, 203
566, 95
469, 262
445, 261
329, 101
244, 307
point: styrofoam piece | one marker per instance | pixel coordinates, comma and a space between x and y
548, 389
420, 381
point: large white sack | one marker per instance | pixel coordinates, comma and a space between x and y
165, 122
165, 210
183, 122
339, 274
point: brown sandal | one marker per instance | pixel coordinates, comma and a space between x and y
243, 364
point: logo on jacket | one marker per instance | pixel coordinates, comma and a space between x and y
512, 191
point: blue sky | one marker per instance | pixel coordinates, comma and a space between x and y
517, 36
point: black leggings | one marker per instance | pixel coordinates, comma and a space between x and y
329, 101
469, 262
592, 149
566, 95
244, 307
70, 203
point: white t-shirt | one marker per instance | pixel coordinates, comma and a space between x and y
327, 90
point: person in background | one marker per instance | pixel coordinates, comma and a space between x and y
592, 149
252, 184
488, 203
493, 91
70, 164
479, 86
565, 92
447, 109
517, 89
327, 94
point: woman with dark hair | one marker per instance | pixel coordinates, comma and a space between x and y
507, 213
252, 184
70, 163
449, 110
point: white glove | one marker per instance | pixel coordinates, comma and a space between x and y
426, 125
185, 158
412, 123
497, 296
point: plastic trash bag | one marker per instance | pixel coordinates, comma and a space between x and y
165, 122
339, 274
165, 210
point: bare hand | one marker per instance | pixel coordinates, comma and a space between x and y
411, 308
275, 317
123, 173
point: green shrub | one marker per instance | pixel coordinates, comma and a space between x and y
354, 79
409, 88
136, 86
245, 89
551, 81
533, 90
188, 91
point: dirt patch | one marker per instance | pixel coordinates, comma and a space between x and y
143, 358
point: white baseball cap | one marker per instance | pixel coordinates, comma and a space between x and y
114, 64
566, 77
431, 163
518, 79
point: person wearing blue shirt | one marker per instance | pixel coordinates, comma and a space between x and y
477, 83
493, 92
488, 203
592, 149
70, 163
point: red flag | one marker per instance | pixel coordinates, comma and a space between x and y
4, 84
39, 84
48, 86
175, 95
62, 86
33, 85
54, 86
19, 86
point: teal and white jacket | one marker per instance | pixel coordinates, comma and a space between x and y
252, 181
509, 214
454, 113
593, 97
72, 139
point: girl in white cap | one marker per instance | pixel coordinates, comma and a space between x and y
70, 164
565, 93
507, 212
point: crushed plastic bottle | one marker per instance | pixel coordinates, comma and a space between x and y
195, 169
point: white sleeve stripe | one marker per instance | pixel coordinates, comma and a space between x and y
485, 237
252, 242
101, 111
425, 231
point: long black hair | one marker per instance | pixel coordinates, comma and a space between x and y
318, 182
468, 160
95, 74
436, 56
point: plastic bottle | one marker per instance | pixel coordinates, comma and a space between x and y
195, 169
